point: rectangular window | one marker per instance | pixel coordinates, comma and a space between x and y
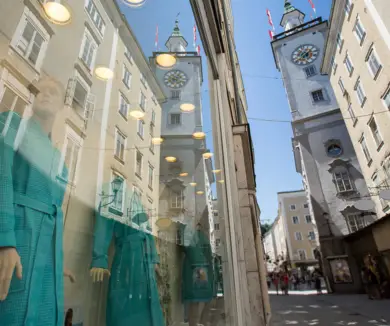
339, 41
176, 199
365, 150
175, 119
343, 181
308, 219
95, 16
126, 78
138, 163
348, 64
30, 43
154, 100
318, 96
359, 30
118, 200
386, 99
128, 55
305, 205
140, 128
333, 64
151, 176
295, 220
375, 132
71, 157
355, 222
120, 145
143, 80
217, 242
9, 101
360, 92
380, 185
348, 7
216, 226
292, 207
386, 168
341, 84
123, 106
352, 113
88, 50
142, 101
175, 95
298, 236
312, 235
374, 63
80, 96
153, 119
310, 71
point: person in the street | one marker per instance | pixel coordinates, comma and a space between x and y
364, 277
276, 282
317, 281
269, 280
285, 280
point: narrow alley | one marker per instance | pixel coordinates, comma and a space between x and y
307, 308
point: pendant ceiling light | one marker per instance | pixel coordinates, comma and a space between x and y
199, 135
157, 140
164, 223
221, 181
137, 114
187, 107
207, 155
165, 60
134, 3
183, 174
193, 184
170, 159
104, 73
200, 192
57, 12
216, 171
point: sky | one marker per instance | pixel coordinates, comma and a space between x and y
275, 168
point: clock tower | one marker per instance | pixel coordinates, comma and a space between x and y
322, 148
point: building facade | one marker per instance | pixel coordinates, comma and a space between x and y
300, 234
355, 60
323, 151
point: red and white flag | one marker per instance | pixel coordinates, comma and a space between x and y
270, 19
271, 34
313, 7
194, 31
198, 49
156, 39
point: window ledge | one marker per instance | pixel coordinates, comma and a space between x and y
380, 146
355, 122
369, 162
363, 102
140, 136
386, 209
123, 116
126, 85
32, 66
138, 176
119, 159
378, 73
151, 150
150, 188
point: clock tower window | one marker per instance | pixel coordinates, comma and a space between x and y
175, 95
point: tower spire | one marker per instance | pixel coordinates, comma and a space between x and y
176, 42
292, 17
288, 7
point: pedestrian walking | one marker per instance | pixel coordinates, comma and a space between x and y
317, 281
285, 283
269, 281
276, 282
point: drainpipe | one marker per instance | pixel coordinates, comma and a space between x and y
231, 56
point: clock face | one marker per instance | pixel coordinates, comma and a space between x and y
175, 79
305, 54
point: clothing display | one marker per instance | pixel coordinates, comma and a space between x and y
198, 279
31, 220
133, 297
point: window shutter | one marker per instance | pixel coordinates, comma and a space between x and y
90, 107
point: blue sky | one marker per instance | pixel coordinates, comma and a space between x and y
275, 170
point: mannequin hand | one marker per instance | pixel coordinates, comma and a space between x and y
68, 273
97, 274
9, 261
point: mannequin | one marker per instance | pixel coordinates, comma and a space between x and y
133, 297
31, 217
198, 285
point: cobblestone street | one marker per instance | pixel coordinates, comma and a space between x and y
327, 310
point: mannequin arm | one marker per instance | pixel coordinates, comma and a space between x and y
70, 275
97, 274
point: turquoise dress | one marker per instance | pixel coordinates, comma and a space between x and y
31, 220
198, 279
133, 297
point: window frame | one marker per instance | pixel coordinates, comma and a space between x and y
311, 237
170, 119
293, 207
308, 222
341, 85
88, 35
29, 17
373, 54
352, 114
359, 31
150, 176
298, 238
323, 95
304, 254
142, 101
127, 104
339, 42
309, 69
141, 128
119, 133
344, 177
348, 64
356, 222
70, 133
364, 148
177, 195
126, 73
377, 140
385, 97
101, 29
293, 221
360, 93
348, 8
138, 173
115, 174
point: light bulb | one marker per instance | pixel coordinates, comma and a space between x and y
165, 60
200, 192
198, 135
183, 174
104, 73
137, 114
57, 13
192, 184
187, 107
207, 155
216, 171
170, 159
157, 140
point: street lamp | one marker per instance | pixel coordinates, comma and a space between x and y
116, 184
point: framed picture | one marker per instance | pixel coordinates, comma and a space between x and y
340, 270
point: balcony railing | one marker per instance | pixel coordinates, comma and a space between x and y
299, 28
